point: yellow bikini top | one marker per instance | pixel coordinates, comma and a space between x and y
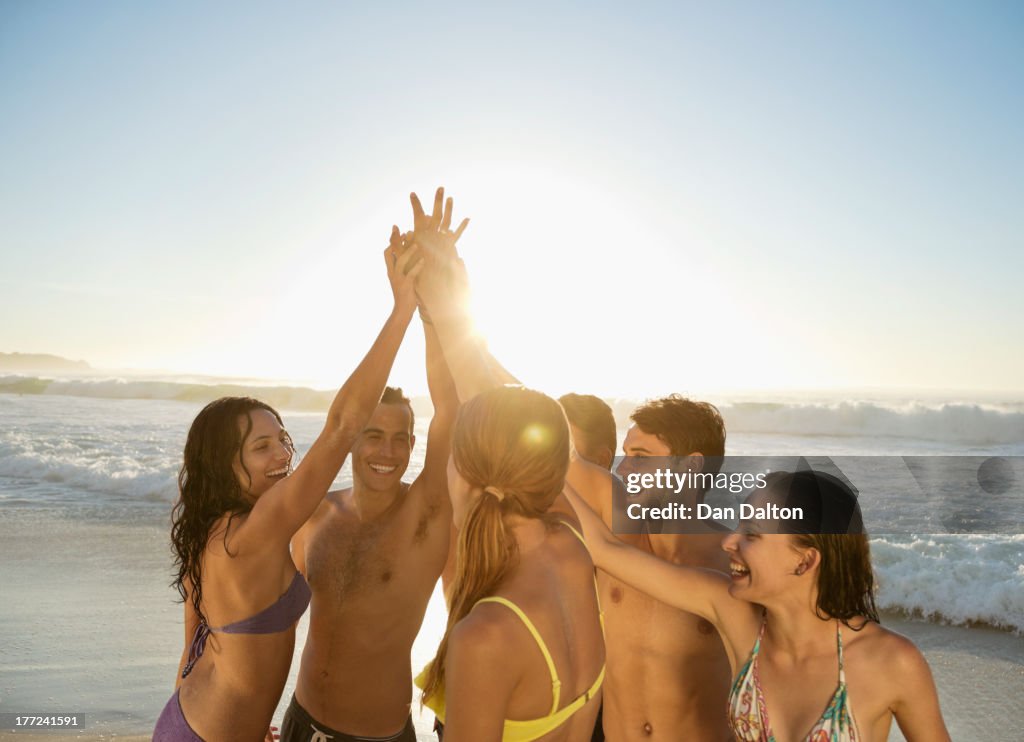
525, 731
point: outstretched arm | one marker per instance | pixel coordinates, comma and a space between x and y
445, 399
280, 511
704, 592
444, 292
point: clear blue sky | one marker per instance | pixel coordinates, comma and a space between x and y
663, 198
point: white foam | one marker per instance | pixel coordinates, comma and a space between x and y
958, 579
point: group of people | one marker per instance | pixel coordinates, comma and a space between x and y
558, 629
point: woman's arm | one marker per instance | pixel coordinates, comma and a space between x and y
282, 510
704, 592
916, 706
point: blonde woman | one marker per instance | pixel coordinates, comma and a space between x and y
523, 654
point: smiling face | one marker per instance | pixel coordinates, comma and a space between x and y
638, 446
381, 453
266, 453
765, 563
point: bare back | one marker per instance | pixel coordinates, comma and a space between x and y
554, 588
371, 583
234, 687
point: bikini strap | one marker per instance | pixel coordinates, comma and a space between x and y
839, 643
556, 684
198, 646
597, 592
575, 533
760, 635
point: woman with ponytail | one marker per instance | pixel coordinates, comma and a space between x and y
240, 503
522, 657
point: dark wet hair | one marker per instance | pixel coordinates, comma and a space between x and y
685, 426
833, 525
208, 487
394, 395
592, 417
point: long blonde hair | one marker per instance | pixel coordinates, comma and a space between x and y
513, 443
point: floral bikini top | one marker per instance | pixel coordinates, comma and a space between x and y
748, 715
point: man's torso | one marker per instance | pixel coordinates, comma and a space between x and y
371, 583
667, 671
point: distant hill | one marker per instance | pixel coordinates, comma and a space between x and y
39, 363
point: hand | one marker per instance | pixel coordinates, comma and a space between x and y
272, 735
432, 232
404, 265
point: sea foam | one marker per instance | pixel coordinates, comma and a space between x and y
957, 579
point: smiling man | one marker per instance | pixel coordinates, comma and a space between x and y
372, 554
667, 675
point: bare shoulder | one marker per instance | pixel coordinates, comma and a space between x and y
487, 636
565, 537
887, 653
223, 532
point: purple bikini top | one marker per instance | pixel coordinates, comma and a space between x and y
284, 612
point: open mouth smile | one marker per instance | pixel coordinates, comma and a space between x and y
738, 571
282, 472
381, 469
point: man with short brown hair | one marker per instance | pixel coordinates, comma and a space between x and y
667, 673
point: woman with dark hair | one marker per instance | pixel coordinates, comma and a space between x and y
522, 657
797, 617
240, 504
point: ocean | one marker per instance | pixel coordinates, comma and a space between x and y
89, 624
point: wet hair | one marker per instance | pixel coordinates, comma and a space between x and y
685, 426
833, 525
514, 444
208, 486
593, 419
394, 395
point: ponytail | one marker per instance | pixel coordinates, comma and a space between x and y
512, 446
486, 552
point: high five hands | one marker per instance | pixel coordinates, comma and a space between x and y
443, 276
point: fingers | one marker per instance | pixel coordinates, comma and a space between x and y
446, 220
396, 237
416, 269
460, 230
411, 255
435, 216
417, 208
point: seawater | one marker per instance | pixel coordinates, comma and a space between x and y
117, 459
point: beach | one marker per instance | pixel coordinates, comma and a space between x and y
90, 626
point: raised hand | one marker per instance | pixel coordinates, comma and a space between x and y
433, 231
404, 264
437, 285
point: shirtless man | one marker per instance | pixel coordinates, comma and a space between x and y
667, 673
372, 554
